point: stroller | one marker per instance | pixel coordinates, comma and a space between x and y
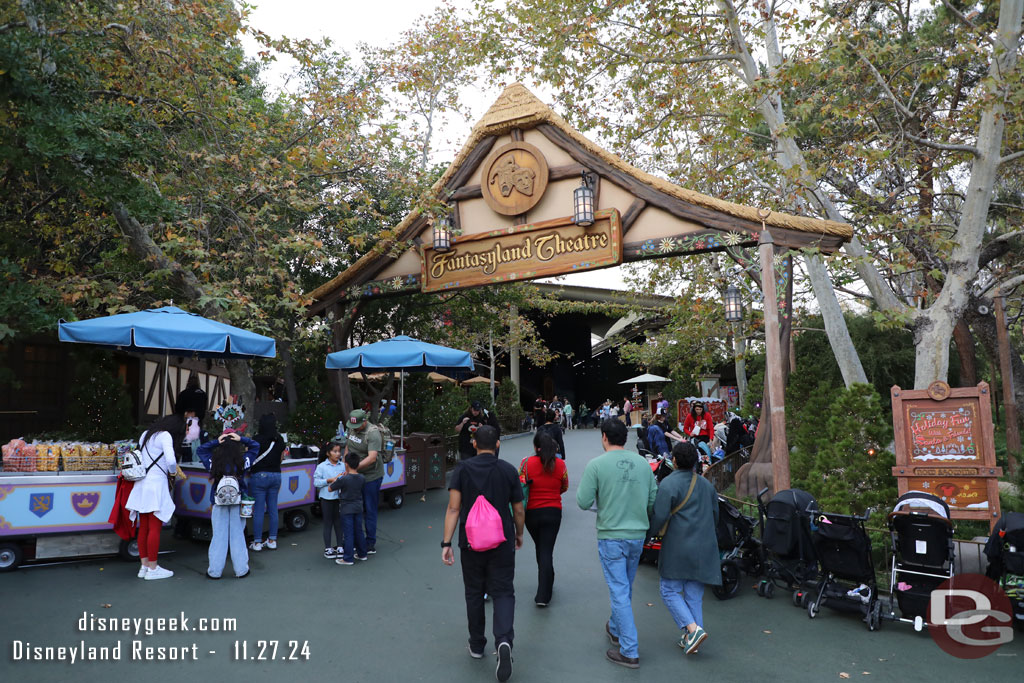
1005, 553
741, 551
662, 467
787, 556
922, 554
844, 550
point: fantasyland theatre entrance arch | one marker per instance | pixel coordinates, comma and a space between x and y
510, 192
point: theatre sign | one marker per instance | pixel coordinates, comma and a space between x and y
525, 252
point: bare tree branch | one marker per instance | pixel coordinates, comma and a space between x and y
974, 27
969, 149
1011, 157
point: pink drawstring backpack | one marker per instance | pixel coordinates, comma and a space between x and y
484, 529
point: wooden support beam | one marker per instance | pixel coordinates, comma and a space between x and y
632, 213
774, 361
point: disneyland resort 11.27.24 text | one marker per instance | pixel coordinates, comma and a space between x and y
138, 649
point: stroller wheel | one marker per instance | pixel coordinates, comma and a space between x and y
769, 589
918, 623
874, 616
730, 581
799, 598
760, 588
812, 609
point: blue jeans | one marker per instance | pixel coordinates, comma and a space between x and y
619, 560
228, 533
371, 501
264, 487
353, 532
686, 608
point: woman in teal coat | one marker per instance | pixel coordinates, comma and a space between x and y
689, 550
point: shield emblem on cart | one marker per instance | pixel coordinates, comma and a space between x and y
293, 484
196, 491
85, 503
40, 503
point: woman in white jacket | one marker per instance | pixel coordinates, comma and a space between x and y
150, 501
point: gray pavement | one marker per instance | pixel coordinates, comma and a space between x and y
401, 616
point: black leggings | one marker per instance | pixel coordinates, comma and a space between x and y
543, 525
332, 520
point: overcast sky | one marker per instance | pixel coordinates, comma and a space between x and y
380, 23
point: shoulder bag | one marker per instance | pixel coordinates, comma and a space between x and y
677, 508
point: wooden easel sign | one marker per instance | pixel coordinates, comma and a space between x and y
944, 447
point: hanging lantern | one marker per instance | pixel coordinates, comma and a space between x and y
733, 305
442, 234
583, 201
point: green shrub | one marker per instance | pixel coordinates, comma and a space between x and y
850, 470
510, 411
99, 407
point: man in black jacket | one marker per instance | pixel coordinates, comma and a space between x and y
468, 423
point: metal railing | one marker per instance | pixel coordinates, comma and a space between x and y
722, 474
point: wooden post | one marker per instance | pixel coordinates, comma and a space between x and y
1006, 372
774, 371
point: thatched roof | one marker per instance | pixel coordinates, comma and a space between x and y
517, 107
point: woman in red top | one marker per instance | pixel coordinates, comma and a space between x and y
699, 425
548, 479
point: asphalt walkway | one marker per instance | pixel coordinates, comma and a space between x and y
401, 617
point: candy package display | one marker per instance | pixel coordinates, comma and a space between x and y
87, 457
19, 456
47, 457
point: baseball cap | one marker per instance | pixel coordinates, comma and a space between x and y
357, 416
392, 400
476, 405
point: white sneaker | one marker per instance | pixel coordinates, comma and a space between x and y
271, 544
158, 573
142, 571
255, 546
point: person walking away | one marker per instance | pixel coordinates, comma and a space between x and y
476, 416
623, 486
547, 479
265, 482
327, 473
627, 409
477, 483
350, 496
699, 425
567, 412
540, 406
364, 440
150, 503
583, 419
551, 428
224, 458
689, 558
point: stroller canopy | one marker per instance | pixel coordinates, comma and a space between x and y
920, 499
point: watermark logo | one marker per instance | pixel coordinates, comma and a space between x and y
969, 616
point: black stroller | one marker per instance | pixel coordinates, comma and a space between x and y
844, 551
662, 467
787, 556
1005, 553
922, 554
741, 551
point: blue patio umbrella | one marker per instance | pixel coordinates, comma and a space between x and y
168, 330
400, 353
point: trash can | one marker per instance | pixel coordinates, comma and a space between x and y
424, 462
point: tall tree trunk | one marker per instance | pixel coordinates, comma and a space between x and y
965, 350
739, 351
835, 323
984, 329
341, 331
290, 390
244, 387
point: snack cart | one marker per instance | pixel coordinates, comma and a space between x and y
49, 514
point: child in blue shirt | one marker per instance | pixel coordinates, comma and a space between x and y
326, 474
350, 495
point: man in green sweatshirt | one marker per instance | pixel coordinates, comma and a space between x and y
623, 485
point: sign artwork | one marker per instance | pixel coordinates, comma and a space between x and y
525, 252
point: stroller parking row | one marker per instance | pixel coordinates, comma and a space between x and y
823, 559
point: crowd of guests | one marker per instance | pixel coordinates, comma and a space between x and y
490, 504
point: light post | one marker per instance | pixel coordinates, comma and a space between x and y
442, 234
583, 201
